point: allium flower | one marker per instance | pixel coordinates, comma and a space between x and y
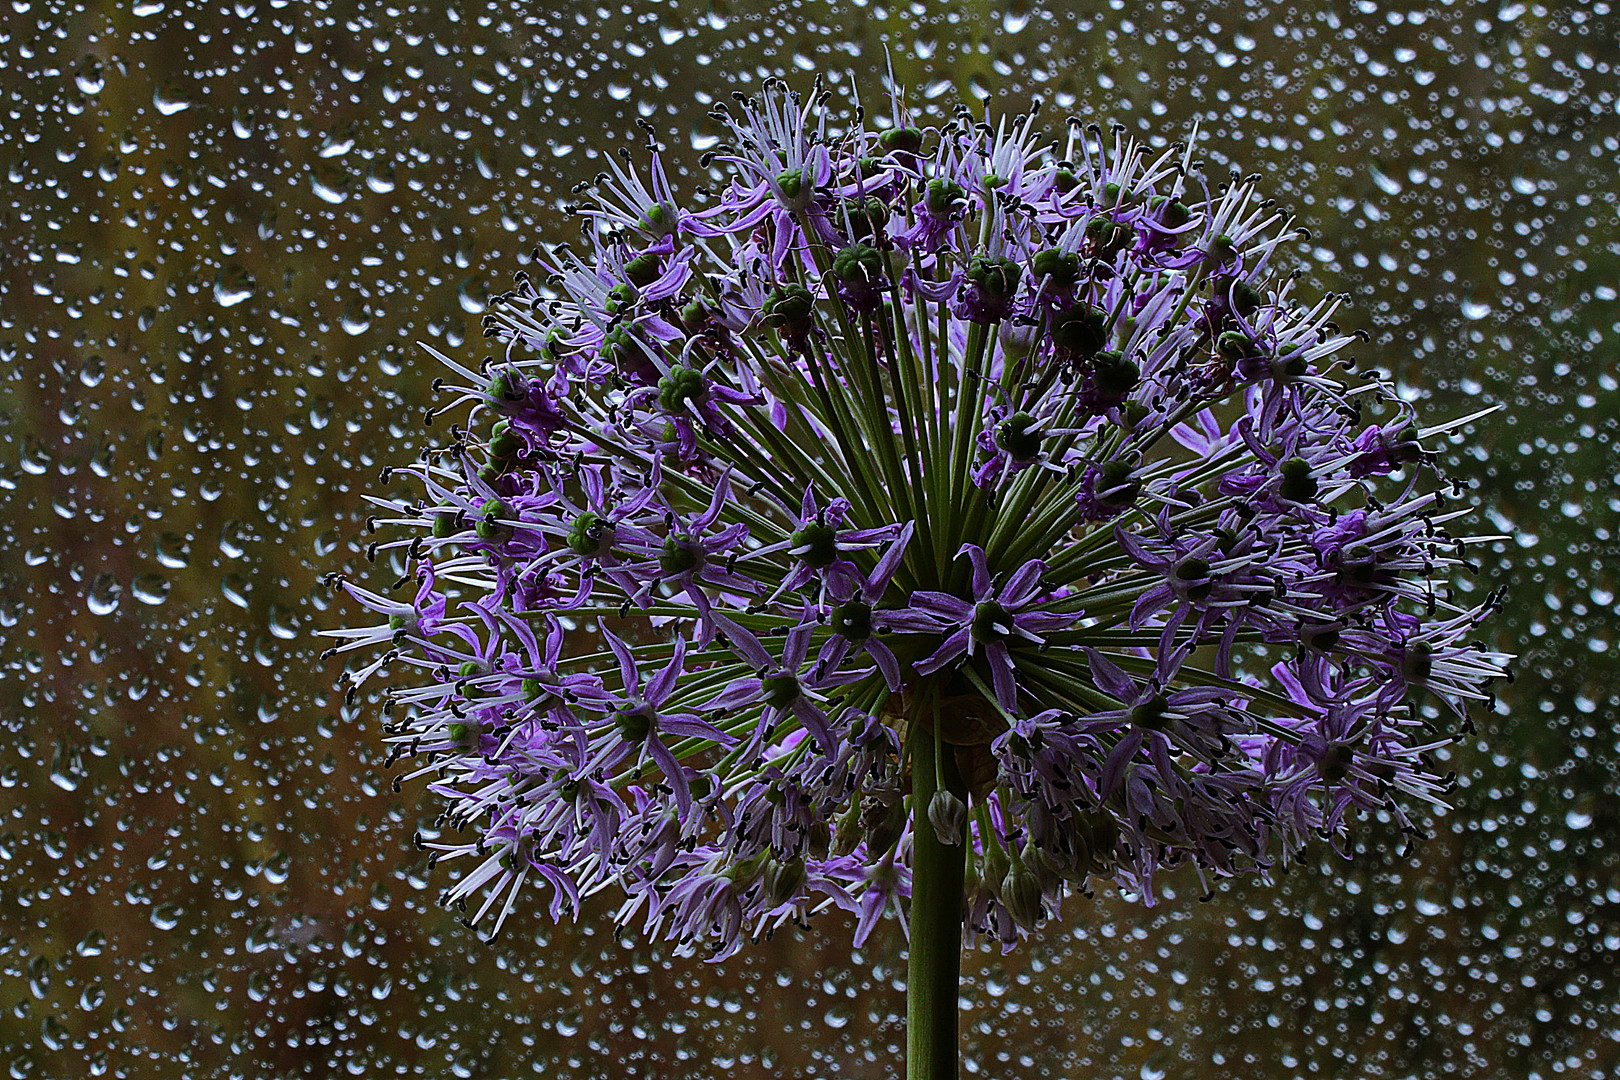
924, 492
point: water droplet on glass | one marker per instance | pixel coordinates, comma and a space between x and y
104, 594
91, 76
150, 588
170, 99
232, 286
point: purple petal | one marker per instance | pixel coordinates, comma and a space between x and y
627, 663
663, 683
691, 726
1114, 768
1001, 675
886, 662
981, 570
737, 693
886, 565
1023, 581
673, 771
1110, 679
954, 646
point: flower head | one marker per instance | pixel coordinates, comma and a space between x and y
914, 434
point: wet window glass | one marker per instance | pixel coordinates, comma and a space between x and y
226, 231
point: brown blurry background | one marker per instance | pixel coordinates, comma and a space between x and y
223, 226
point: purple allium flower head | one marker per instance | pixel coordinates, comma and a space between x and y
913, 434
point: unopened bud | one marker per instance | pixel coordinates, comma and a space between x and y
948, 815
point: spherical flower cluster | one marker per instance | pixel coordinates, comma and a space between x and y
914, 435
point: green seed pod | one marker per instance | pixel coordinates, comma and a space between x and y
678, 556
991, 622
1059, 268
446, 523
853, 620
634, 724
1234, 345
790, 310
695, 317
681, 385
1116, 487
779, 691
590, 535
620, 298
1020, 435
489, 526
1417, 661
906, 140
1222, 249
1113, 375
1109, 237
504, 443
1172, 213
858, 264
1080, 330
996, 277
1334, 764
506, 388
643, 270
1152, 714
819, 543
1298, 485
865, 218
791, 181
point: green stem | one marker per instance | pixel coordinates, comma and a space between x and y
935, 964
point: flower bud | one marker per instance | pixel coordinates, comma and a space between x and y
783, 881
883, 821
948, 815
1021, 894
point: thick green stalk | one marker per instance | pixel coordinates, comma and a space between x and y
935, 964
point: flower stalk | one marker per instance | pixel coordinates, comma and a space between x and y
934, 966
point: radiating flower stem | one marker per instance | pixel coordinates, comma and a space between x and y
936, 918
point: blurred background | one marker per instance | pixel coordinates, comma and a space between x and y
224, 225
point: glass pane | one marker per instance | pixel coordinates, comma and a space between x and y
226, 227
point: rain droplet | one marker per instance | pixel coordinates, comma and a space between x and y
91, 76
173, 551
169, 99
104, 594
233, 285
150, 588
